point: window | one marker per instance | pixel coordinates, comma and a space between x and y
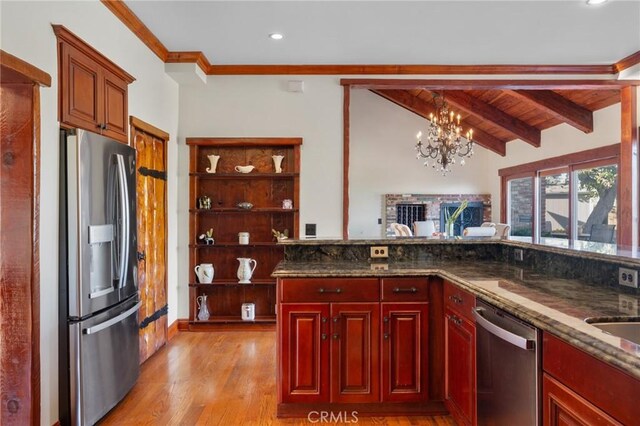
564, 198
520, 202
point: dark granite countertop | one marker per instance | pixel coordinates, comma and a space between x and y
556, 305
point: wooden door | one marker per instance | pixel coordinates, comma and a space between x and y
19, 240
304, 352
405, 352
355, 352
563, 407
150, 144
460, 361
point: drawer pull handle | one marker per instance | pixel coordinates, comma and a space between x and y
322, 290
405, 290
456, 299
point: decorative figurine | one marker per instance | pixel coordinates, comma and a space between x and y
287, 204
279, 236
277, 162
204, 202
207, 237
213, 160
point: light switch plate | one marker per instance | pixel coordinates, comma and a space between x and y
518, 254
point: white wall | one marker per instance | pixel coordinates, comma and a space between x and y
383, 161
26, 33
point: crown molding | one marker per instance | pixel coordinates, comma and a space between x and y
131, 21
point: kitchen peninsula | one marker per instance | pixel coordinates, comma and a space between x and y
377, 331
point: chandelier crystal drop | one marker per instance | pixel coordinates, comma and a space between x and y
443, 139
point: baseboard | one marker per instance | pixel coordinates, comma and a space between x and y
177, 325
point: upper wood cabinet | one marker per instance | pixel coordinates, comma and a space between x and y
92, 89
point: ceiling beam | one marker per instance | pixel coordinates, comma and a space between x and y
559, 107
423, 109
627, 62
487, 112
435, 84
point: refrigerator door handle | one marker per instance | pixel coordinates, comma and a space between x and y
124, 234
112, 321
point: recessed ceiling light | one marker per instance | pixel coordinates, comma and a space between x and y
276, 36
592, 2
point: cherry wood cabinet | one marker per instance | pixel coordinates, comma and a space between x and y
460, 355
93, 90
404, 351
340, 343
564, 407
226, 188
579, 389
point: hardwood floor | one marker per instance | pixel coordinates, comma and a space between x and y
218, 378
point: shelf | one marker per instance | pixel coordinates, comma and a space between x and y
219, 210
222, 176
226, 319
227, 245
233, 283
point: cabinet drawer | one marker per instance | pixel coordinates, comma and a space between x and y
405, 289
330, 290
459, 300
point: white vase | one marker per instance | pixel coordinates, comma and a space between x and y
213, 159
277, 162
204, 272
245, 271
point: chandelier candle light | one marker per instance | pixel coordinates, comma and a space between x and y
443, 138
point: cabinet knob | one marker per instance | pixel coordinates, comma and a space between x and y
323, 336
385, 319
324, 320
386, 335
336, 319
336, 336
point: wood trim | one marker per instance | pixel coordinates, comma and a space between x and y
422, 108
173, 330
609, 151
559, 107
487, 112
30, 72
275, 141
148, 128
433, 84
64, 35
627, 230
364, 69
190, 57
35, 266
346, 119
627, 62
182, 324
131, 21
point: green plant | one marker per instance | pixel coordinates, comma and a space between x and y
450, 218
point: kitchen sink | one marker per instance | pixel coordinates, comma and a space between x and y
625, 329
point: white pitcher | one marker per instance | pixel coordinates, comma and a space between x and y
213, 159
245, 271
277, 162
204, 272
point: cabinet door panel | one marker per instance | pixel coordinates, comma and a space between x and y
404, 352
115, 106
80, 87
355, 352
563, 407
460, 367
305, 352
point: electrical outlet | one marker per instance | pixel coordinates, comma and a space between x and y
379, 267
518, 254
628, 305
628, 277
379, 252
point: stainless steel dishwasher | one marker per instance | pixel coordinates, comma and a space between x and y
508, 368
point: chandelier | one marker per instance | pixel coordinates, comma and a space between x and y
443, 141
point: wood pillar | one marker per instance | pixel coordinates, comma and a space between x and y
345, 162
628, 173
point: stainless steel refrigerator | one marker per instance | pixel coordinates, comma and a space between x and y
99, 355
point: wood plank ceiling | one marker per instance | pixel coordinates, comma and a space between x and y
501, 116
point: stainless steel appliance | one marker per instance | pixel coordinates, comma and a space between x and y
508, 368
99, 354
